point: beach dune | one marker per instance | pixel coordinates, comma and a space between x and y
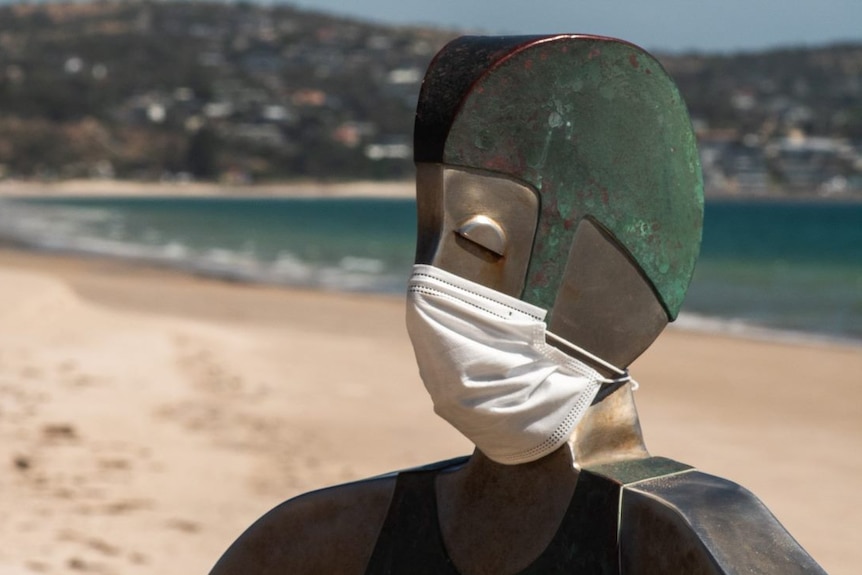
147, 417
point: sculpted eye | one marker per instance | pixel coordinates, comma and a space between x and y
484, 232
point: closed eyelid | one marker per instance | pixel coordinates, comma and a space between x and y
484, 232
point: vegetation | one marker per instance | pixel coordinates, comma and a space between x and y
242, 92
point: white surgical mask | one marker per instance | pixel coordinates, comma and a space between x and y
484, 359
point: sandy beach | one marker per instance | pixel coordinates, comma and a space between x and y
146, 417
125, 188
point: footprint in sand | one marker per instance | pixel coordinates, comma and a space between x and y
203, 363
183, 525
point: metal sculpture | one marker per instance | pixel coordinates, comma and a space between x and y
561, 171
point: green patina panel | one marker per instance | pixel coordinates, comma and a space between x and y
598, 128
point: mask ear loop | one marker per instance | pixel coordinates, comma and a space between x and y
624, 376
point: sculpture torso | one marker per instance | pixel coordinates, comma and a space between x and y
642, 516
412, 541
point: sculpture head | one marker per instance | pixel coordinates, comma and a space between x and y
561, 170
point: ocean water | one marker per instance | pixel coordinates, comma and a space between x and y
794, 266
339, 244
768, 268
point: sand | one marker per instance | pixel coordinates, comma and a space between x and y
125, 188
146, 418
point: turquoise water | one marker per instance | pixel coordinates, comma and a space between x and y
793, 266
342, 244
786, 266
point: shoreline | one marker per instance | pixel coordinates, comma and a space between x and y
103, 188
688, 322
694, 323
128, 188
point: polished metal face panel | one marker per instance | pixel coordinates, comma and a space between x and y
604, 303
476, 226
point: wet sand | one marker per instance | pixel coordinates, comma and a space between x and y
147, 417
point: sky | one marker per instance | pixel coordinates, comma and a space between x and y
658, 25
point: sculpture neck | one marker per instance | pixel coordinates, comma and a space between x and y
609, 431
498, 518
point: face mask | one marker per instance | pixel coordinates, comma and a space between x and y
484, 359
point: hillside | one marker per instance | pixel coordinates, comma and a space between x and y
245, 92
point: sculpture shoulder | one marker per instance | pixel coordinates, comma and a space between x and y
694, 522
331, 531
